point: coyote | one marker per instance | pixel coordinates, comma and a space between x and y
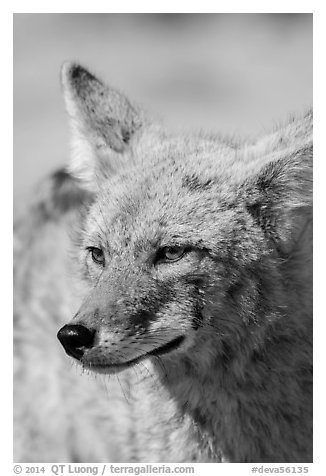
190, 282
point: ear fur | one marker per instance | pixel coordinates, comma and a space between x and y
279, 198
103, 124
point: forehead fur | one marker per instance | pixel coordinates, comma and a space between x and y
170, 195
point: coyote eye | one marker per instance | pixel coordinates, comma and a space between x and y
171, 253
97, 255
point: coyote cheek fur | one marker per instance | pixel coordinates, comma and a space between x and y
195, 255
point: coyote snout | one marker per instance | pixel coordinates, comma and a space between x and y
110, 349
108, 335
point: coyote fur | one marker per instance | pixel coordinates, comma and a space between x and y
190, 281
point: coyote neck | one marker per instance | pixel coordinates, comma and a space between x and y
244, 412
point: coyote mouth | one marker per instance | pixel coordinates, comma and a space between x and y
115, 368
166, 348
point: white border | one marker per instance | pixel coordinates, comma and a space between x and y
319, 190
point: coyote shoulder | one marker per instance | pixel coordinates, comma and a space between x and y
189, 278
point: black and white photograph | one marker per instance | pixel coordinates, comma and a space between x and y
163, 239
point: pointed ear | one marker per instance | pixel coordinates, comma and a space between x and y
279, 198
103, 123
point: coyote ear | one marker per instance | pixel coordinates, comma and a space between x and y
279, 198
103, 124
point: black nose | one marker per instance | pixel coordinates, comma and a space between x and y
75, 338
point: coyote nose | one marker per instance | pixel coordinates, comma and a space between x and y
75, 338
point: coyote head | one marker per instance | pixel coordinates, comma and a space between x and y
189, 244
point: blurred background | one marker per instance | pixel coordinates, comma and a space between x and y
234, 73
